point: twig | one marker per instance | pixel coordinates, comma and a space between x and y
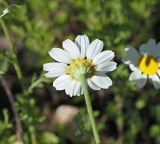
19, 130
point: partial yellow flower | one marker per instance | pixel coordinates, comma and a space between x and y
144, 64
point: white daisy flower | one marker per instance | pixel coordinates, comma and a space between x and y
80, 57
144, 64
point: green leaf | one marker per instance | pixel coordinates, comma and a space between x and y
48, 138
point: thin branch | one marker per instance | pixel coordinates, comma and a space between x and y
19, 130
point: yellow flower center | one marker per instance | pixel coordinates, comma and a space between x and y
148, 64
81, 66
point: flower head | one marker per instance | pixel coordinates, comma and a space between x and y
144, 64
80, 58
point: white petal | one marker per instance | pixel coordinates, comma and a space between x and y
80, 91
102, 80
67, 89
62, 82
158, 72
107, 66
132, 56
152, 47
71, 47
157, 51
82, 42
73, 84
53, 74
94, 48
92, 85
140, 82
70, 88
77, 89
136, 75
106, 55
133, 68
139, 78
53, 66
155, 80
60, 55
143, 49
148, 48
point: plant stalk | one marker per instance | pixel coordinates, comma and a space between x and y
89, 108
13, 52
17, 68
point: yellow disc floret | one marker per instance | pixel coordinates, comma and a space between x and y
148, 64
81, 66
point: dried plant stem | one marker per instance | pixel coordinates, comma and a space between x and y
89, 108
19, 130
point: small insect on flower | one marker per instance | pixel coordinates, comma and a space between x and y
145, 63
80, 58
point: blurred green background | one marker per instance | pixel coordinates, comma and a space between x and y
124, 114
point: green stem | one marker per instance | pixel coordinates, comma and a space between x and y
19, 75
89, 108
33, 135
13, 52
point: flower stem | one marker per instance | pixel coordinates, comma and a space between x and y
33, 135
89, 108
13, 52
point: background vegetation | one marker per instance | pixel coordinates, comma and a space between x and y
125, 115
